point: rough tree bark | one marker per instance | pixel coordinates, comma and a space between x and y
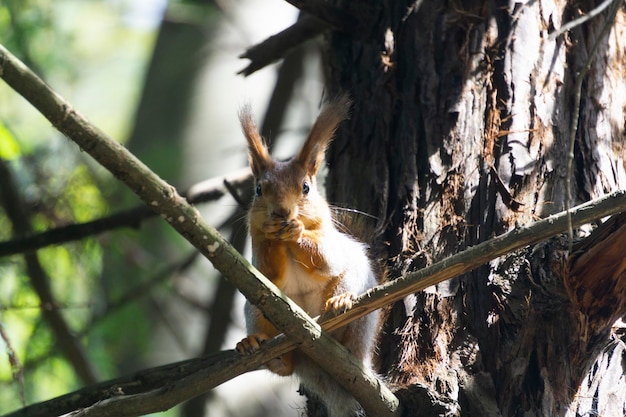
461, 130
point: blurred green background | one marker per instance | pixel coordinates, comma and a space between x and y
161, 77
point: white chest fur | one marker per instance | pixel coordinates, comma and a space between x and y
303, 288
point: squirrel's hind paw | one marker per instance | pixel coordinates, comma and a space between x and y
340, 302
283, 365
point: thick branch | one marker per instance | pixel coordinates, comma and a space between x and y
163, 198
143, 381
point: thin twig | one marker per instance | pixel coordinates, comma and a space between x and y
205, 191
579, 21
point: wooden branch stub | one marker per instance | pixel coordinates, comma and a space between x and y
336, 17
278, 46
319, 16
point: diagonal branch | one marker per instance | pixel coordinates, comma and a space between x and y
284, 314
478, 255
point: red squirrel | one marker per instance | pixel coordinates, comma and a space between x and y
296, 244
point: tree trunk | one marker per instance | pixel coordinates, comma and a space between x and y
460, 131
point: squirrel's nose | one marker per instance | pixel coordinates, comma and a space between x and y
281, 212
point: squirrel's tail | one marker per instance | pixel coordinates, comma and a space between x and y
324, 390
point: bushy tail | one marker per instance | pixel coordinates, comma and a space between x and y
318, 384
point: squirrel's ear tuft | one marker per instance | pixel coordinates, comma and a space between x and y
311, 155
258, 155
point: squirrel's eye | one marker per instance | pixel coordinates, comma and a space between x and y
259, 190
305, 188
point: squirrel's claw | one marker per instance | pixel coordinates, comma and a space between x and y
281, 229
250, 344
340, 303
283, 365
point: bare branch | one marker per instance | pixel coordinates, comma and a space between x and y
202, 192
476, 256
143, 381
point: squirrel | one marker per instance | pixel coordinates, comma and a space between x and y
296, 244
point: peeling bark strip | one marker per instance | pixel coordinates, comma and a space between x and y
596, 281
287, 316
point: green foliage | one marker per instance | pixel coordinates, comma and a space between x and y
9, 147
86, 50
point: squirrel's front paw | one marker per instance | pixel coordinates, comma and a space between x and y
340, 303
278, 228
251, 343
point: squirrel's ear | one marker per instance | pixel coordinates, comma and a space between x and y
311, 155
258, 156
